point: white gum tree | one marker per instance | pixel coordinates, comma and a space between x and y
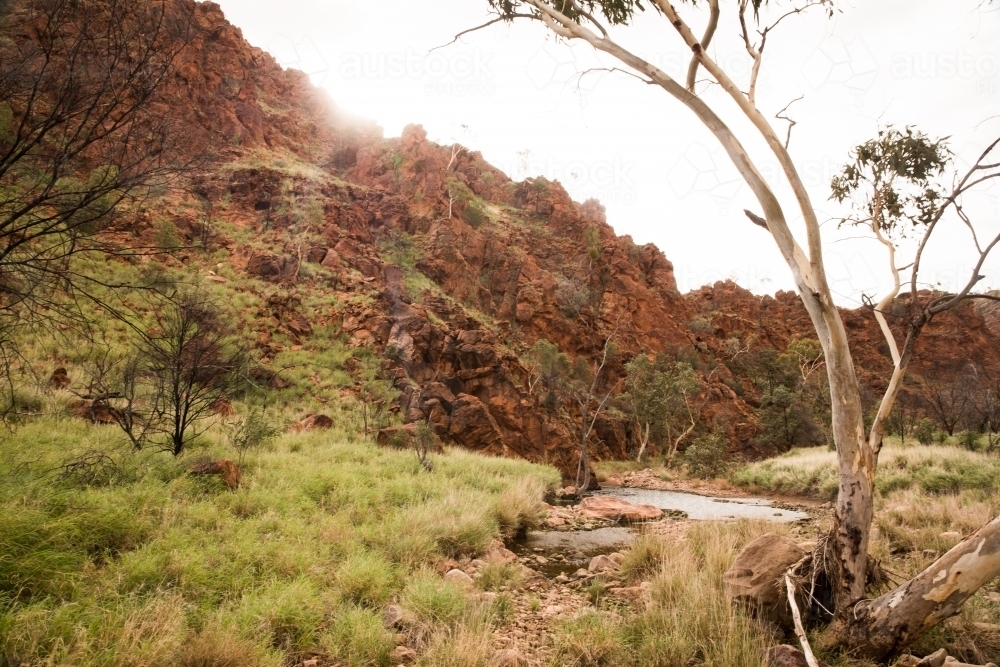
893, 182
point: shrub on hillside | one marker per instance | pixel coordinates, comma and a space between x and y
923, 431
706, 456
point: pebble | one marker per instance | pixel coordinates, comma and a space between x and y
392, 616
456, 576
601, 564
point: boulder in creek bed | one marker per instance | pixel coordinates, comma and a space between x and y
616, 509
756, 578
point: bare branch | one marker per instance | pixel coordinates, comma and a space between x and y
755, 219
791, 123
500, 19
619, 70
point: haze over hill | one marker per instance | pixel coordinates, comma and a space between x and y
430, 253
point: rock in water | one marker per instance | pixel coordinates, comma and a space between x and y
756, 577
616, 509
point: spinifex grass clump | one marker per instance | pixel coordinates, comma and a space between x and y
157, 567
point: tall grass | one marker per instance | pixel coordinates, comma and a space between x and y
299, 561
686, 620
929, 498
935, 469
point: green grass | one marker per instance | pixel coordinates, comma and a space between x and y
935, 469
156, 567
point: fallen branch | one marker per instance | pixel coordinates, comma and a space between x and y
800, 631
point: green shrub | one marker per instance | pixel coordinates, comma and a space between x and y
969, 440
290, 613
496, 574
429, 600
519, 507
591, 639
644, 558
701, 325
705, 457
924, 431
474, 215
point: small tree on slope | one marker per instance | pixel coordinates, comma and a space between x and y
896, 189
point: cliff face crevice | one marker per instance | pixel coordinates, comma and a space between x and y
463, 269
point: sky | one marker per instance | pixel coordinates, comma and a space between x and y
534, 105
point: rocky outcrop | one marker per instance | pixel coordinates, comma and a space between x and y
448, 270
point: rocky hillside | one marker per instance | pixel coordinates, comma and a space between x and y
444, 266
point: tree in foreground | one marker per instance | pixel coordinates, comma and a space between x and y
897, 182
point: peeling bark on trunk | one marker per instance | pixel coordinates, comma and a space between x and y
882, 628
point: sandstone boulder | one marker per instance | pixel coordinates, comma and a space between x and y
601, 564
313, 422
226, 469
271, 267
59, 379
473, 426
616, 509
756, 577
456, 576
316, 255
787, 656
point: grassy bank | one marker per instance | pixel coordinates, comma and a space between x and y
927, 499
935, 469
133, 561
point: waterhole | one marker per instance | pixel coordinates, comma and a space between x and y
706, 508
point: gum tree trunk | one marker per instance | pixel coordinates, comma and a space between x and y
887, 625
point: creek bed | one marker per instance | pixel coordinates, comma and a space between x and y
565, 551
706, 508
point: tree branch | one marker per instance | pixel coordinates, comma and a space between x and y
706, 40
